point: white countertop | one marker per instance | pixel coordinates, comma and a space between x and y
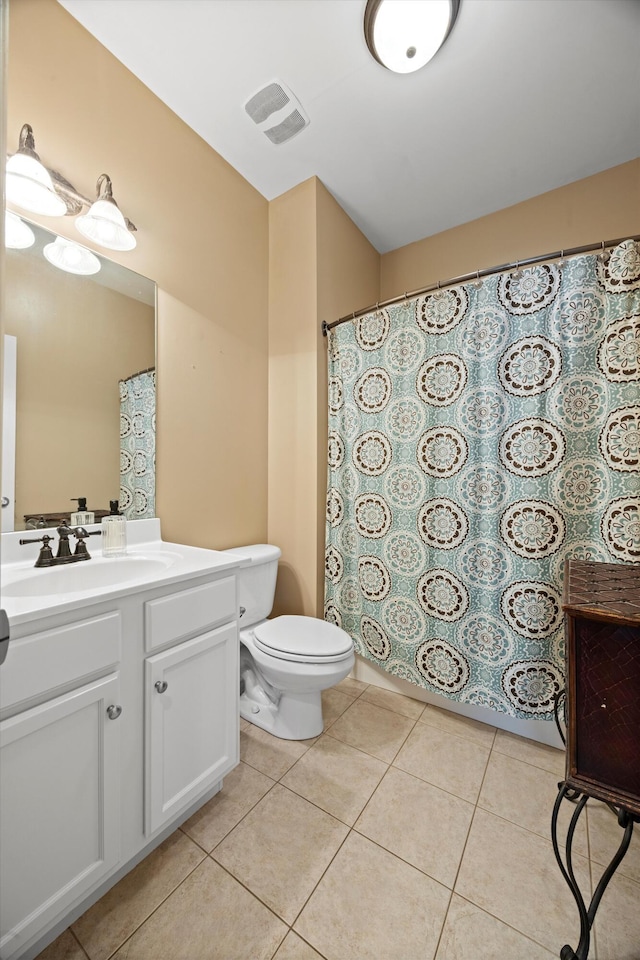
31, 593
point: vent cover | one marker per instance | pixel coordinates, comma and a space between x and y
276, 111
265, 102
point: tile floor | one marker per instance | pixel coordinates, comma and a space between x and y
404, 832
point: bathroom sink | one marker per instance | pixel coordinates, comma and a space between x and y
88, 575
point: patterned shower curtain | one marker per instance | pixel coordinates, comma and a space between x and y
479, 436
138, 446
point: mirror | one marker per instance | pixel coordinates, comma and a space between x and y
84, 389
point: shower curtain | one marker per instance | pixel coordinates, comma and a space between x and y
138, 446
479, 436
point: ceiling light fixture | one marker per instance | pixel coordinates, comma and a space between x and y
71, 257
32, 186
29, 183
18, 235
104, 224
403, 35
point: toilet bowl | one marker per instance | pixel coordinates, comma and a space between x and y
286, 662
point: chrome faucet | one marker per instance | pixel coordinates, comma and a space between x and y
64, 554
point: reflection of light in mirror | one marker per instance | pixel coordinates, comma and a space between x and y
18, 235
70, 256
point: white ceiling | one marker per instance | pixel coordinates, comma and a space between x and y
525, 96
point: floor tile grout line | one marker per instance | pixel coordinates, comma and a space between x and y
444, 923
73, 934
320, 878
473, 816
254, 895
148, 917
237, 824
504, 922
459, 735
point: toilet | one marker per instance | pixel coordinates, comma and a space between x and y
287, 662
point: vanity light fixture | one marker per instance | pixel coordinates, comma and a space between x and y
18, 235
32, 186
71, 257
104, 224
29, 183
403, 35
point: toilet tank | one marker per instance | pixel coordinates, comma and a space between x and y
256, 580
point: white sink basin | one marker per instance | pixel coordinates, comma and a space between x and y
87, 575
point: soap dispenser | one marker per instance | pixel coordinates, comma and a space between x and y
114, 532
82, 516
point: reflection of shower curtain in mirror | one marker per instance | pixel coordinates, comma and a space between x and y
478, 436
138, 446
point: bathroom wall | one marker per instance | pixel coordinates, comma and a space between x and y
319, 264
240, 278
202, 236
602, 207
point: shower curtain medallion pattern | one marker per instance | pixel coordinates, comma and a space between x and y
478, 436
138, 446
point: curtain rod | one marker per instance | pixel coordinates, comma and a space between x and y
138, 374
476, 275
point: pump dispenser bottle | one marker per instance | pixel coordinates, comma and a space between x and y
114, 532
81, 517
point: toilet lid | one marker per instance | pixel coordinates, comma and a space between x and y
303, 639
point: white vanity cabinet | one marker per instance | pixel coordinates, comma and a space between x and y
118, 719
60, 783
191, 716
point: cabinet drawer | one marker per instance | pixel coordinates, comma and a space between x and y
47, 662
171, 618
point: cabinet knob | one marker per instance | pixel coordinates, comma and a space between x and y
114, 711
161, 685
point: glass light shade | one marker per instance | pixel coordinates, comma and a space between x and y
70, 256
18, 235
29, 186
105, 225
403, 35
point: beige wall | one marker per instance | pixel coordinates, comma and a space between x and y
234, 273
320, 264
603, 207
75, 340
202, 236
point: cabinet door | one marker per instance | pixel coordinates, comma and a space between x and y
191, 730
59, 797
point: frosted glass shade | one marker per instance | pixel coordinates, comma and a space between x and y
403, 35
18, 235
29, 186
105, 225
71, 257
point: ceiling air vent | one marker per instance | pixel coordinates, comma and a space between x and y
276, 111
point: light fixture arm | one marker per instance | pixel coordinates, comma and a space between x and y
26, 142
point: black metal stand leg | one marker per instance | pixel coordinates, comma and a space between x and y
626, 820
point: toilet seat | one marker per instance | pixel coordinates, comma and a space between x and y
303, 640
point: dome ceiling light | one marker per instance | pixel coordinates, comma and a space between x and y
403, 35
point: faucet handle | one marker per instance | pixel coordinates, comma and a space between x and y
45, 557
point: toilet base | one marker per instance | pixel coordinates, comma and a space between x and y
296, 716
